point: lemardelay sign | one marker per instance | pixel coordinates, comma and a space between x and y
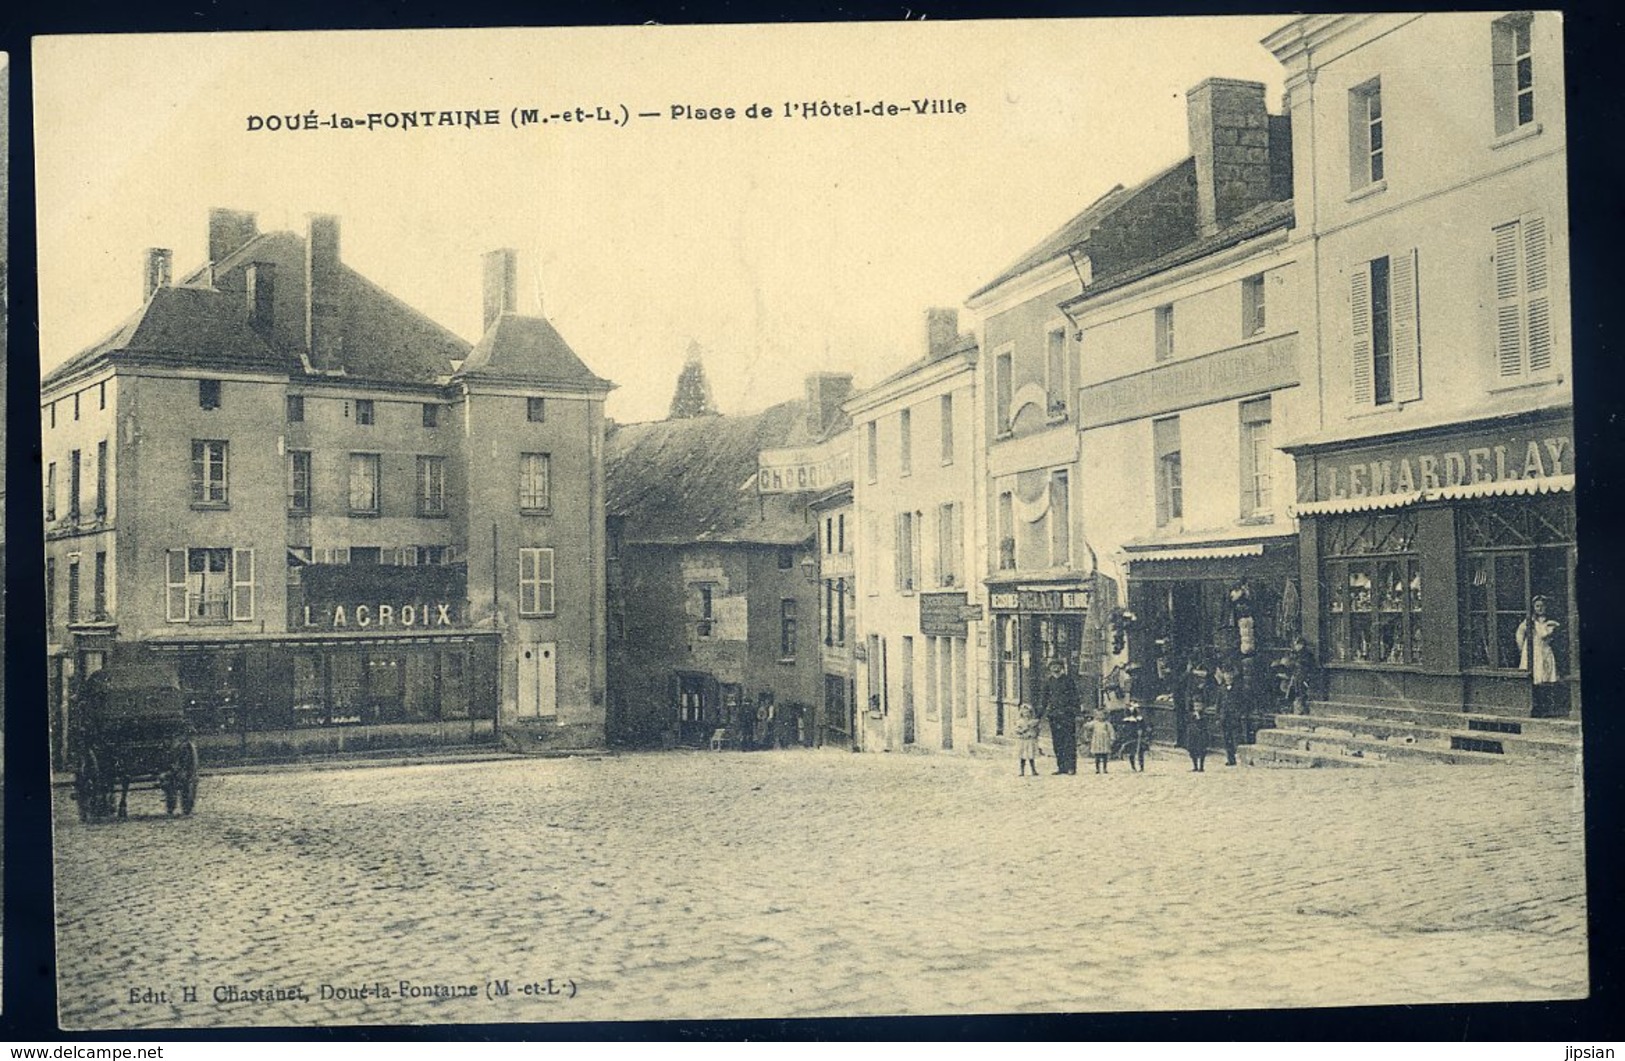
1040, 600
1469, 459
946, 614
789, 471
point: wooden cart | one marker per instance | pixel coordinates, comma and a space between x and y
132, 731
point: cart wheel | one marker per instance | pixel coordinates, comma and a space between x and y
87, 787
185, 781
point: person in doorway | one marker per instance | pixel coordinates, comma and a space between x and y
1301, 676
1027, 735
1232, 711
1135, 734
1536, 655
1198, 733
1101, 737
1060, 707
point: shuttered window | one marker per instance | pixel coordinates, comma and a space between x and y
1523, 304
1170, 470
1385, 331
535, 581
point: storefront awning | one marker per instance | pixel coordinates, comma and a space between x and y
1545, 484
1199, 552
325, 639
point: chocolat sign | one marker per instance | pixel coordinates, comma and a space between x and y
1410, 469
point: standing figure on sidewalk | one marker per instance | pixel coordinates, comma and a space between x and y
1135, 733
1101, 736
1060, 706
1198, 733
1301, 676
1232, 711
1027, 735
1536, 655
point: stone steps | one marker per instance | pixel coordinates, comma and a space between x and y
1445, 738
1293, 758
1346, 732
1444, 716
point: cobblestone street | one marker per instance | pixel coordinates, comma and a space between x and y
714, 885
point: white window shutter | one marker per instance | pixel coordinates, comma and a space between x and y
1537, 289
1364, 392
175, 586
1406, 331
544, 573
242, 584
1508, 302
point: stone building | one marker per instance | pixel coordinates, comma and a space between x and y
334, 521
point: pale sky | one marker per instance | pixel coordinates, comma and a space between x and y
782, 246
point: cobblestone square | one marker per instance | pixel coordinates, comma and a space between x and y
793, 884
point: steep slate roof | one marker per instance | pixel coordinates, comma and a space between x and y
1061, 240
962, 346
529, 350
182, 325
677, 482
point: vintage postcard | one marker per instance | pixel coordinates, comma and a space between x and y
781, 521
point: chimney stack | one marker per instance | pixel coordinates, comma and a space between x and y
229, 231
156, 274
260, 280
826, 392
501, 272
1230, 139
941, 329
322, 291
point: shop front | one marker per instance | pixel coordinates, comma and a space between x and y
1033, 624
1203, 602
1439, 565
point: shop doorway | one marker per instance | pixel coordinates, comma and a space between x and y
538, 680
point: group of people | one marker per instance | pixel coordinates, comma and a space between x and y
1059, 703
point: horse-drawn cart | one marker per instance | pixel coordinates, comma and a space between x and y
132, 731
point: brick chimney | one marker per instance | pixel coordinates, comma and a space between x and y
941, 329
260, 287
826, 391
229, 231
322, 291
156, 271
1230, 138
501, 288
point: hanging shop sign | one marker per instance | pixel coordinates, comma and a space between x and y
947, 614
789, 471
1040, 600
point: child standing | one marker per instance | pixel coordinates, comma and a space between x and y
1136, 735
1101, 736
1027, 734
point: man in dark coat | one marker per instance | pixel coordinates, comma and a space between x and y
1232, 711
1059, 694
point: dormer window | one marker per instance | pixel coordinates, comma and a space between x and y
208, 393
536, 410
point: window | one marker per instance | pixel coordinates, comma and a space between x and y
1007, 531
1256, 458
1252, 306
1055, 374
829, 611
98, 600
101, 478
209, 473
431, 486
829, 535
705, 609
840, 532
907, 571
786, 559
948, 544
73, 486
840, 611
50, 492
1387, 354
1060, 519
299, 481
905, 442
366, 555
1165, 333
50, 596
76, 405
947, 431
1513, 62
872, 452
1366, 148
535, 581
433, 555
1373, 580
210, 585
101, 395
208, 394
535, 482
536, 410
431, 414
787, 629
73, 590
1004, 389
1515, 551
366, 412
1170, 470
1523, 307
296, 408
364, 499
52, 408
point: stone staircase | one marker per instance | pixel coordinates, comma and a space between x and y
1348, 733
